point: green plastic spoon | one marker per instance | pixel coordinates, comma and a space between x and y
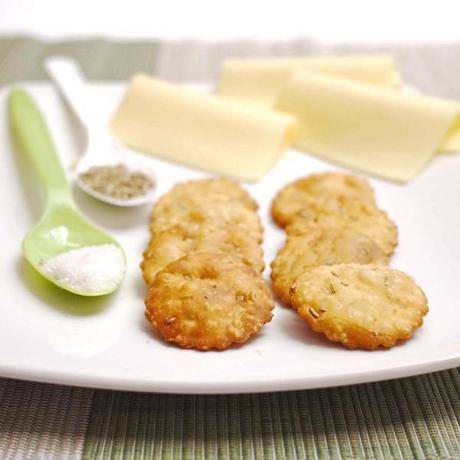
61, 228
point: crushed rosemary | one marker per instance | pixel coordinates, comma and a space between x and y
117, 181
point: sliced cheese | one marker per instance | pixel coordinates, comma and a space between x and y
388, 133
259, 81
200, 130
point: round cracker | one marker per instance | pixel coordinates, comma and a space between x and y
218, 213
181, 240
321, 245
354, 214
208, 300
360, 306
195, 192
301, 194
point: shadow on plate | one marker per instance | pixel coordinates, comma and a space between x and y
140, 288
58, 298
297, 328
110, 217
294, 326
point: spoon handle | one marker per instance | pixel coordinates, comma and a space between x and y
32, 137
68, 77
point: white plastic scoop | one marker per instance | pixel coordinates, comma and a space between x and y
101, 148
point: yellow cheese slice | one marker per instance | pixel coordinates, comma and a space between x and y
259, 81
388, 133
201, 130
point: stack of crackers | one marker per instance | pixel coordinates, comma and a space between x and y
333, 268
203, 266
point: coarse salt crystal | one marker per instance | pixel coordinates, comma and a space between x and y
89, 270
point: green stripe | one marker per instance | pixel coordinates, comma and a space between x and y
416, 417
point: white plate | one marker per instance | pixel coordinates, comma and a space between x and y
51, 336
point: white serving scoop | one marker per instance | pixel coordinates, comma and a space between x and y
101, 148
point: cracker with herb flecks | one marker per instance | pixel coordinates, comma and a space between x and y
208, 213
180, 240
297, 197
348, 213
321, 245
187, 195
208, 300
360, 306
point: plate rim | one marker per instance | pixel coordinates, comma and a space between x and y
203, 388
53, 376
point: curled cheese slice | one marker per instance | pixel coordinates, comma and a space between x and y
259, 81
388, 133
200, 130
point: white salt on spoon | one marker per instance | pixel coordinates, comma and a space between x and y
90, 269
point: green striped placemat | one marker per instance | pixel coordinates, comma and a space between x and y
416, 417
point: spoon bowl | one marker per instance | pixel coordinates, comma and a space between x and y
62, 228
115, 159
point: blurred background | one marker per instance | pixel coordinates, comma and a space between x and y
187, 41
325, 20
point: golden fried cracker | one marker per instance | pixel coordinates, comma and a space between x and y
321, 245
195, 192
299, 195
360, 306
218, 213
181, 240
354, 214
208, 300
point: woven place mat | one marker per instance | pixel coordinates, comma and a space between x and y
417, 417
